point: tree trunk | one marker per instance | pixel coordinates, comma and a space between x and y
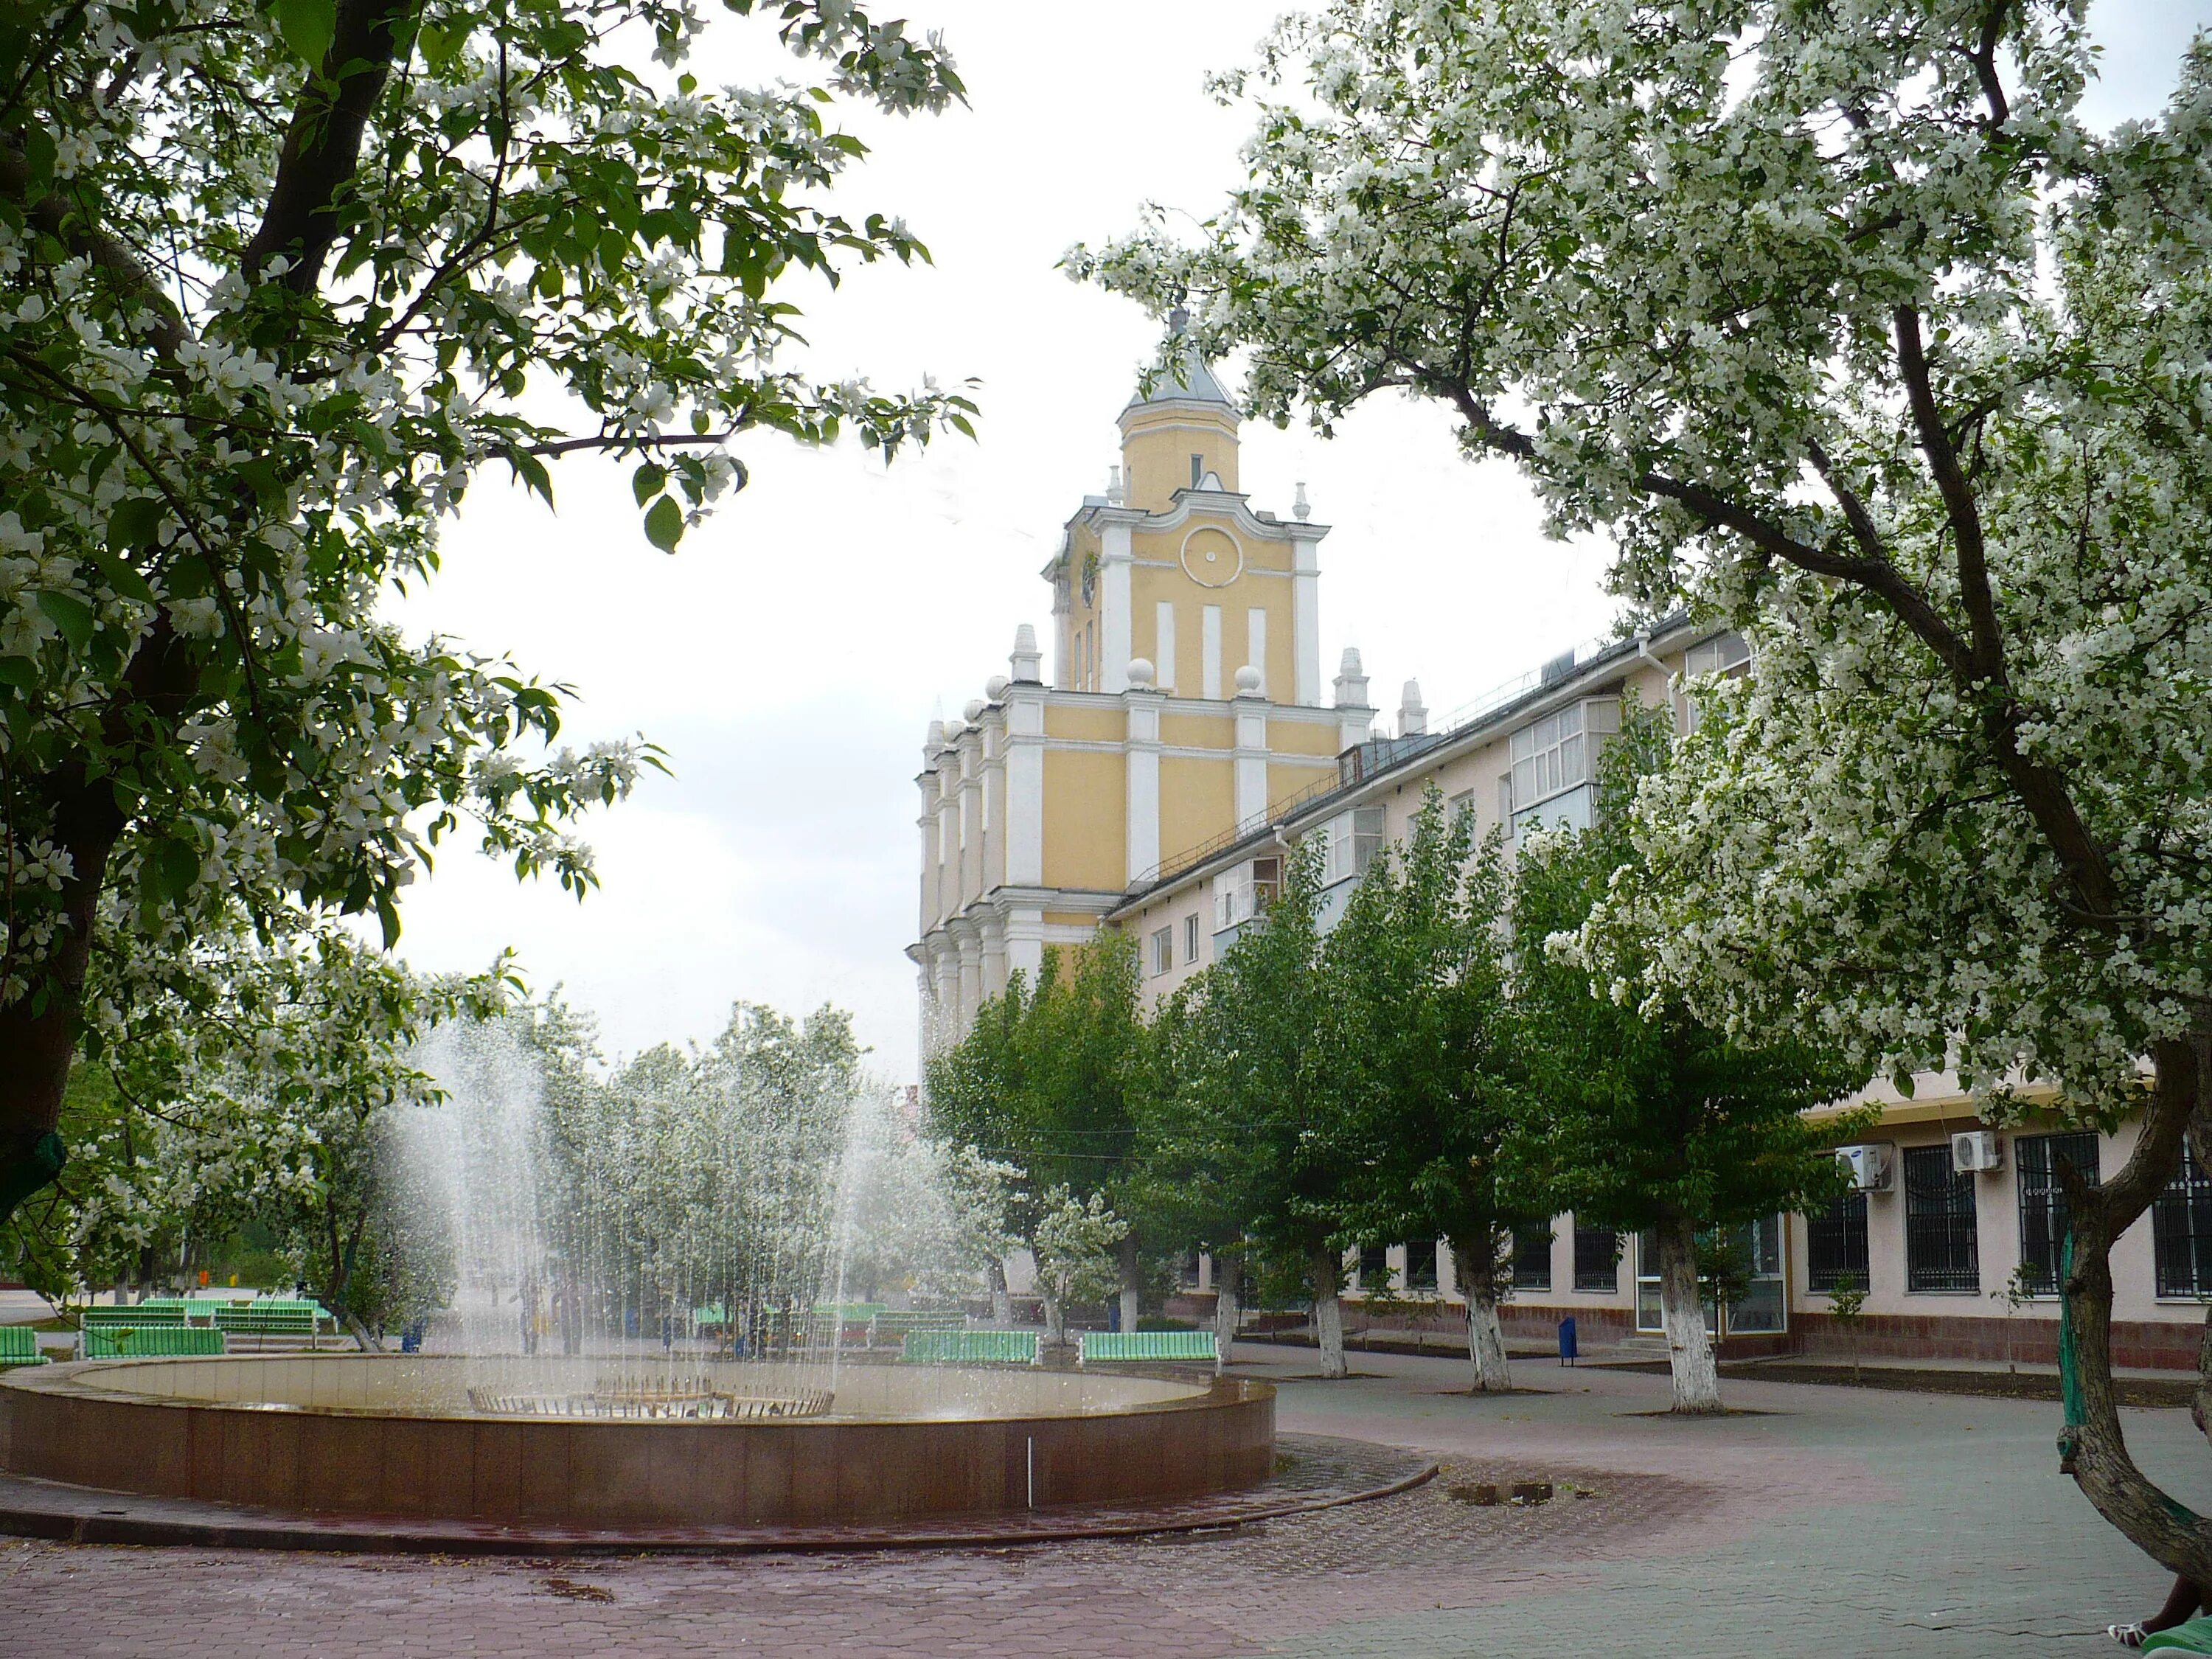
1056, 1319
1475, 1264
1227, 1270
1132, 1281
1682, 1312
2095, 1451
1002, 1302
1326, 1268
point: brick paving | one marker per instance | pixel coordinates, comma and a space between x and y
1830, 1521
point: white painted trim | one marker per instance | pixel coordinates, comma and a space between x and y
1025, 812
1144, 817
1256, 644
1209, 652
1305, 628
1114, 609
1164, 645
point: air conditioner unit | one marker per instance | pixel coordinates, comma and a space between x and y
1868, 1166
1976, 1149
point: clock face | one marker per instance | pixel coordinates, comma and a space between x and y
1211, 557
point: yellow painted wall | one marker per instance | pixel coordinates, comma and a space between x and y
1198, 730
1301, 736
1157, 446
1198, 801
1074, 721
1085, 821
1069, 919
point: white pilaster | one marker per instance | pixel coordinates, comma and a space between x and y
1256, 644
1164, 645
1251, 755
1025, 942
992, 929
1305, 618
1209, 651
1113, 557
1025, 785
1143, 760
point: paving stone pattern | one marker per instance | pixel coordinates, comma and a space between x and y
1834, 1522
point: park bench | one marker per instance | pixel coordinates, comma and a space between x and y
144, 1315
150, 1342
1149, 1347
969, 1348
269, 1320
19, 1346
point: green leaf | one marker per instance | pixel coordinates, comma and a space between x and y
70, 614
19, 671
307, 26
647, 482
663, 525
130, 526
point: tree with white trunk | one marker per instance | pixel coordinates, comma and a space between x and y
1077, 1245
1844, 323
278, 283
1421, 1035
1649, 1119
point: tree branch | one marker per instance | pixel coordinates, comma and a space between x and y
58, 218
322, 148
1985, 60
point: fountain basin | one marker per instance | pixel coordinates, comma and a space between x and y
395, 1435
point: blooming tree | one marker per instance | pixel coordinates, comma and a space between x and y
1841, 321
249, 1078
1076, 1243
279, 281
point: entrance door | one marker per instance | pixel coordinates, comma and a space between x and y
1764, 1306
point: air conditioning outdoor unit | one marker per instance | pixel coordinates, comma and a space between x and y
1976, 1149
1868, 1166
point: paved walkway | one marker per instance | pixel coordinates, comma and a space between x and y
1835, 1521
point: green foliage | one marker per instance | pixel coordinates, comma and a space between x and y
1645, 1114
1421, 1043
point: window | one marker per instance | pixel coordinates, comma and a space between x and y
1597, 1258
1245, 892
1532, 1259
1941, 1250
1197, 470
1374, 1266
1163, 950
1421, 1266
2181, 1231
1352, 839
1190, 939
1836, 1244
1718, 655
2043, 1200
1553, 755
1460, 805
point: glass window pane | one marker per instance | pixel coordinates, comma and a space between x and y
1942, 1250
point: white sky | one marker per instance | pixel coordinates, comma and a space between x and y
789, 655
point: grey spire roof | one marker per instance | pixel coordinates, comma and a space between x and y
1182, 375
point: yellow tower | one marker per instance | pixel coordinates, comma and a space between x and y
1185, 700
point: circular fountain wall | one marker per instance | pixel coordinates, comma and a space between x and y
568, 1445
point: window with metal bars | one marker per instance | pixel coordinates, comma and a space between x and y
2043, 1200
2181, 1230
1597, 1258
1836, 1244
1532, 1259
1941, 1252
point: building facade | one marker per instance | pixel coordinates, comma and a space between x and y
1132, 794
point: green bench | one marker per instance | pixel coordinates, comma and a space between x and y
888, 1329
150, 1342
271, 1319
969, 1348
1149, 1347
144, 1315
19, 1346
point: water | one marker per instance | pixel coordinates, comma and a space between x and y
616, 1234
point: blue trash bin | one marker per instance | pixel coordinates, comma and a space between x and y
1568, 1351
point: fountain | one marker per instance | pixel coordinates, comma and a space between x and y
634, 1346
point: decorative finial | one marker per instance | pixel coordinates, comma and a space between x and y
1140, 673
1248, 681
1115, 492
1027, 661
1301, 509
1413, 713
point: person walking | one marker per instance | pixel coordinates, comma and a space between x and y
531, 1296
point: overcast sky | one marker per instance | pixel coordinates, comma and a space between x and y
790, 655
